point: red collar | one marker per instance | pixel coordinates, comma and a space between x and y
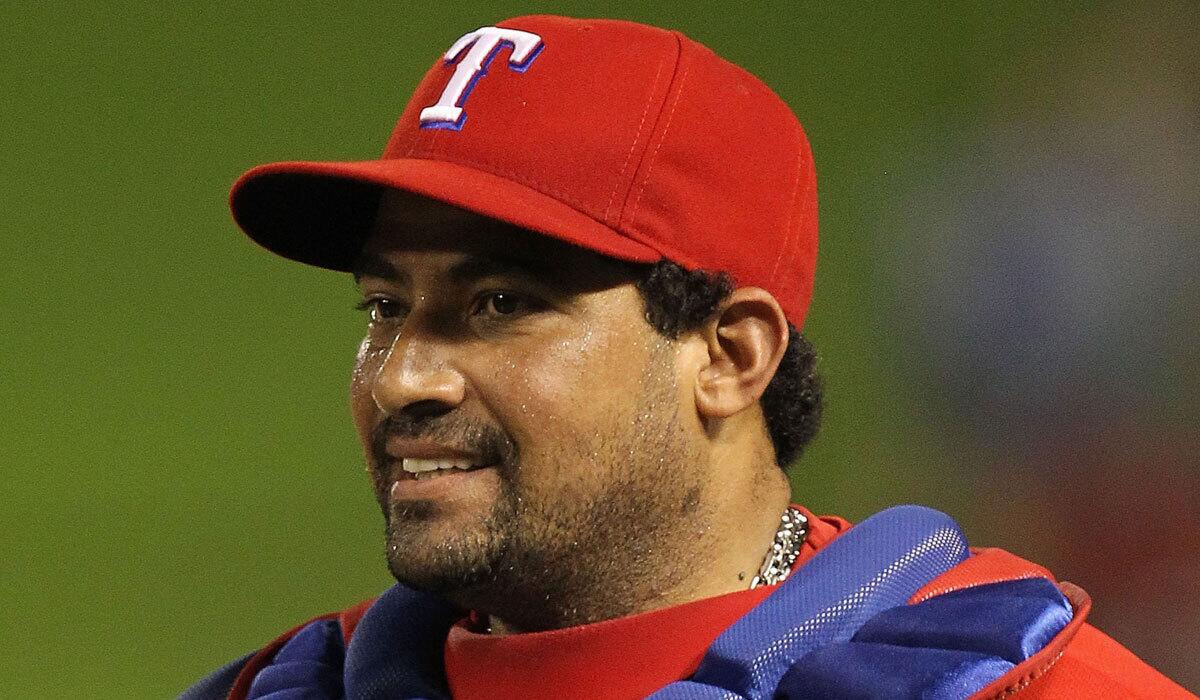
628, 657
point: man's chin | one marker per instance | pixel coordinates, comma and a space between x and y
440, 575
439, 555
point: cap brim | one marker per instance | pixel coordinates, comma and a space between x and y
321, 213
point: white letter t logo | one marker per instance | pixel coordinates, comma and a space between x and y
485, 43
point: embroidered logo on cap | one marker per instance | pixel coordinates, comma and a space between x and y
479, 47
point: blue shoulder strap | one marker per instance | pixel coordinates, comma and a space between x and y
876, 565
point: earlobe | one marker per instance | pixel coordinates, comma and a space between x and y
746, 340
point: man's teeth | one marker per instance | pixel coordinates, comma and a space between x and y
413, 465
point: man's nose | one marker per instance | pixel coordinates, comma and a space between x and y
417, 377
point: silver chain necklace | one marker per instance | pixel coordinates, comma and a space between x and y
793, 530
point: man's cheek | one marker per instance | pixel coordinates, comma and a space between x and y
367, 361
363, 409
558, 413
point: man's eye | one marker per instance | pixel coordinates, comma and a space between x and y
500, 304
380, 309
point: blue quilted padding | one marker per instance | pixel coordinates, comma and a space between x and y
850, 670
309, 666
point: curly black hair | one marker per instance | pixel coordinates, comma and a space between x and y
679, 300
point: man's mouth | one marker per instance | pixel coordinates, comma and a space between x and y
421, 469
438, 478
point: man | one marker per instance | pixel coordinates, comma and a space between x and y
585, 257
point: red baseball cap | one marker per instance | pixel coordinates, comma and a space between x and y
631, 141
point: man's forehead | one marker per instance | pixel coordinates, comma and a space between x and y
407, 221
398, 207
460, 266
471, 245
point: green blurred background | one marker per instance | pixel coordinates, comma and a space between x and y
1006, 304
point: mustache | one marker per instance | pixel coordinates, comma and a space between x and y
493, 445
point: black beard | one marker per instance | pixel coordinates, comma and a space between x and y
451, 565
606, 569
466, 563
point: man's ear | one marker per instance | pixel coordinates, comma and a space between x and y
746, 340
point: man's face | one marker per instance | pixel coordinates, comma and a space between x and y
528, 362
